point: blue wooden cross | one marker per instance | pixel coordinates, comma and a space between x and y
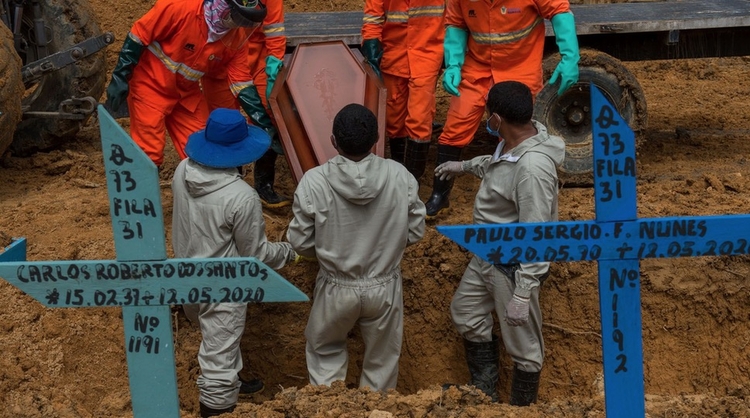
617, 240
142, 280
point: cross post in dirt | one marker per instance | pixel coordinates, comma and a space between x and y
142, 280
617, 240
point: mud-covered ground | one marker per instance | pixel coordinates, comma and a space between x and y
696, 312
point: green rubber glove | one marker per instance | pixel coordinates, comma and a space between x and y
373, 52
117, 91
454, 47
273, 66
567, 42
252, 105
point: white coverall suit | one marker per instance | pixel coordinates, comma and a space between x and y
217, 214
519, 186
356, 218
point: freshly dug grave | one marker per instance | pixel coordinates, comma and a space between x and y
696, 312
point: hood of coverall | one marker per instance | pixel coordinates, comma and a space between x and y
550, 145
201, 180
359, 182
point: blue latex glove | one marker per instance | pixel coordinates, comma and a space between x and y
273, 66
517, 311
451, 80
567, 42
454, 48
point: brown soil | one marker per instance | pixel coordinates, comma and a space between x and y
696, 312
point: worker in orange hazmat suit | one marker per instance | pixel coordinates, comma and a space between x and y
403, 42
166, 53
488, 42
266, 49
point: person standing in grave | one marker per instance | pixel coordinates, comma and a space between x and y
356, 214
519, 184
217, 214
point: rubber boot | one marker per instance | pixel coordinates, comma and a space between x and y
441, 189
482, 359
265, 172
398, 145
415, 158
251, 386
207, 412
524, 387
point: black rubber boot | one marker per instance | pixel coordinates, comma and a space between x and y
207, 412
482, 359
264, 171
251, 386
441, 189
397, 145
524, 387
415, 158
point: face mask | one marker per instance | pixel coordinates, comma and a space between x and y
490, 130
215, 13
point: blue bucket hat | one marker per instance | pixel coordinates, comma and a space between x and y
228, 141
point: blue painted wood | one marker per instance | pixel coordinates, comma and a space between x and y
71, 284
134, 195
622, 342
619, 281
690, 236
138, 229
142, 280
614, 162
617, 240
149, 349
16, 251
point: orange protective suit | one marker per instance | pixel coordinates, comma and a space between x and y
411, 34
271, 40
164, 90
506, 42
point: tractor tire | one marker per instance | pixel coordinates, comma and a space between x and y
68, 22
569, 115
11, 88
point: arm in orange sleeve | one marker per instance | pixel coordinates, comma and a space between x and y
372, 22
273, 29
549, 8
454, 15
164, 17
372, 33
238, 73
275, 42
242, 86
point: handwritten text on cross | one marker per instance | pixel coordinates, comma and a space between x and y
617, 240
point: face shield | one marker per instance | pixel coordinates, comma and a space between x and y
242, 17
245, 13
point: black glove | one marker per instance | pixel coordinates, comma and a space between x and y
373, 52
117, 91
252, 105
